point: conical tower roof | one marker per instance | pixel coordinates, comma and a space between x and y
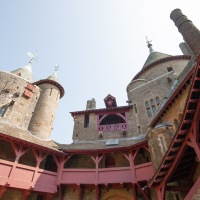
153, 55
25, 72
54, 76
53, 79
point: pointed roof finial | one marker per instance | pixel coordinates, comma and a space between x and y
55, 70
149, 45
54, 76
56, 67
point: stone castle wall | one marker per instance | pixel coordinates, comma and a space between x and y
20, 107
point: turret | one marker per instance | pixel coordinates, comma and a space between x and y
43, 117
18, 96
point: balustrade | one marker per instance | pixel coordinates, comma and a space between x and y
113, 127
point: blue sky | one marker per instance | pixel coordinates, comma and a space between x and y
98, 44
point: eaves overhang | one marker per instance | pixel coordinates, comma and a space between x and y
170, 58
40, 82
103, 110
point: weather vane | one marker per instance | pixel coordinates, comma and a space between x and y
56, 67
148, 41
149, 45
32, 56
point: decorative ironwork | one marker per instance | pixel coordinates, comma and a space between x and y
113, 127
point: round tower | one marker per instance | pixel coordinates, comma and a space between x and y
43, 117
150, 86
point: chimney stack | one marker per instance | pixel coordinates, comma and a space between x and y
185, 49
189, 31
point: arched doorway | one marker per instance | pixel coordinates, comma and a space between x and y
109, 162
117, 195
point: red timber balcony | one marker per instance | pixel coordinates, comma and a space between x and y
107, 175
24, 177
113, 127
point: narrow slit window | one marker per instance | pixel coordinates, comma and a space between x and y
139, 129
86, 121
135, 108
50, 92
57, 96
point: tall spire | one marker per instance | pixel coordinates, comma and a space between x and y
149, 45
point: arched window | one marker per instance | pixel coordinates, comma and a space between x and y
157, 101
148, 109
109, 162
153, 106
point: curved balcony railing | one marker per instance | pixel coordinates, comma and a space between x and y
107, 175
25, 177
113, 127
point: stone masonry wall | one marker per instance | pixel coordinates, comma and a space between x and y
87, 133
92, 133
42, 121
80, 161
12, 194
159, 140
160, 69
175, 113
152, 89
19, 107
197, 195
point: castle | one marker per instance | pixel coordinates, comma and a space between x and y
147, 149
